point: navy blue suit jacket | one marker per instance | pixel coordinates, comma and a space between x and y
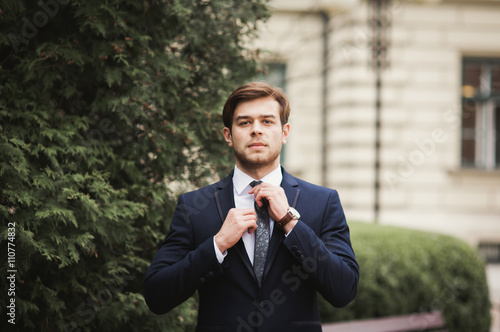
315, 257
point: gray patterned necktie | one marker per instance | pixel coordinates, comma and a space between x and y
261, 237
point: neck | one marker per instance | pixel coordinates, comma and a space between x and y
257, 172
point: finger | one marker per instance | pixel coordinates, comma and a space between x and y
261, 198
249, 219
248, 212
241, 212
254, 190
235, 210
252, 229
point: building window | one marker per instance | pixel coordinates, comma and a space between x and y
274, 74
481, 113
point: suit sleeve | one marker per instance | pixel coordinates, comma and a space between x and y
179, 266
328, 258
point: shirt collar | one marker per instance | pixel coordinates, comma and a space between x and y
242, 180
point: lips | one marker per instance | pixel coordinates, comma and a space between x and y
257, 145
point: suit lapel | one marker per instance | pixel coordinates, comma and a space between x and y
290, 185
224, 198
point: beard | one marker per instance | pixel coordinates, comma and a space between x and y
257, 160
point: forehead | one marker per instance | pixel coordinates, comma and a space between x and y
258, 107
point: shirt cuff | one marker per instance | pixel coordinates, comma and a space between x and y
220, 255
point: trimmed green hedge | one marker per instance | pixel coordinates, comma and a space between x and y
406, 271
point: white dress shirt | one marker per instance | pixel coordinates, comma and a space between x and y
244, 200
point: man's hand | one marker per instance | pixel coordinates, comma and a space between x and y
236, 223
275, 196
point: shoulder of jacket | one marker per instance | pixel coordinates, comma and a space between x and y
306, 186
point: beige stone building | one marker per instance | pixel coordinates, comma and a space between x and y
439, 110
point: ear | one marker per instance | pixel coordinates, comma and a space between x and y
227, 136
286, 131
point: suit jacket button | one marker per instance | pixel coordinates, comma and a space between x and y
302, 257
295, 248
202, 280
210, 274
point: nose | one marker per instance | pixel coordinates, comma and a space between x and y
256, 128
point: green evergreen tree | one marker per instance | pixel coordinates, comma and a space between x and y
108, 108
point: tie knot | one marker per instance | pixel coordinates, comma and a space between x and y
255, 183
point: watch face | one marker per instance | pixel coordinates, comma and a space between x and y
294, 213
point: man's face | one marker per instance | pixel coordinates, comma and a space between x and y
257, 134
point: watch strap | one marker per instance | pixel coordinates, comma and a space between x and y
285, 220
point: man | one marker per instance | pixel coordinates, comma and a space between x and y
257, 252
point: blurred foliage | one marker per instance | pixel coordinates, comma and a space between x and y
106, 108
407, 271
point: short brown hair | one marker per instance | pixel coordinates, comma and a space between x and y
252, 91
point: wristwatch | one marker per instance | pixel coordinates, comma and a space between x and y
289, 216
